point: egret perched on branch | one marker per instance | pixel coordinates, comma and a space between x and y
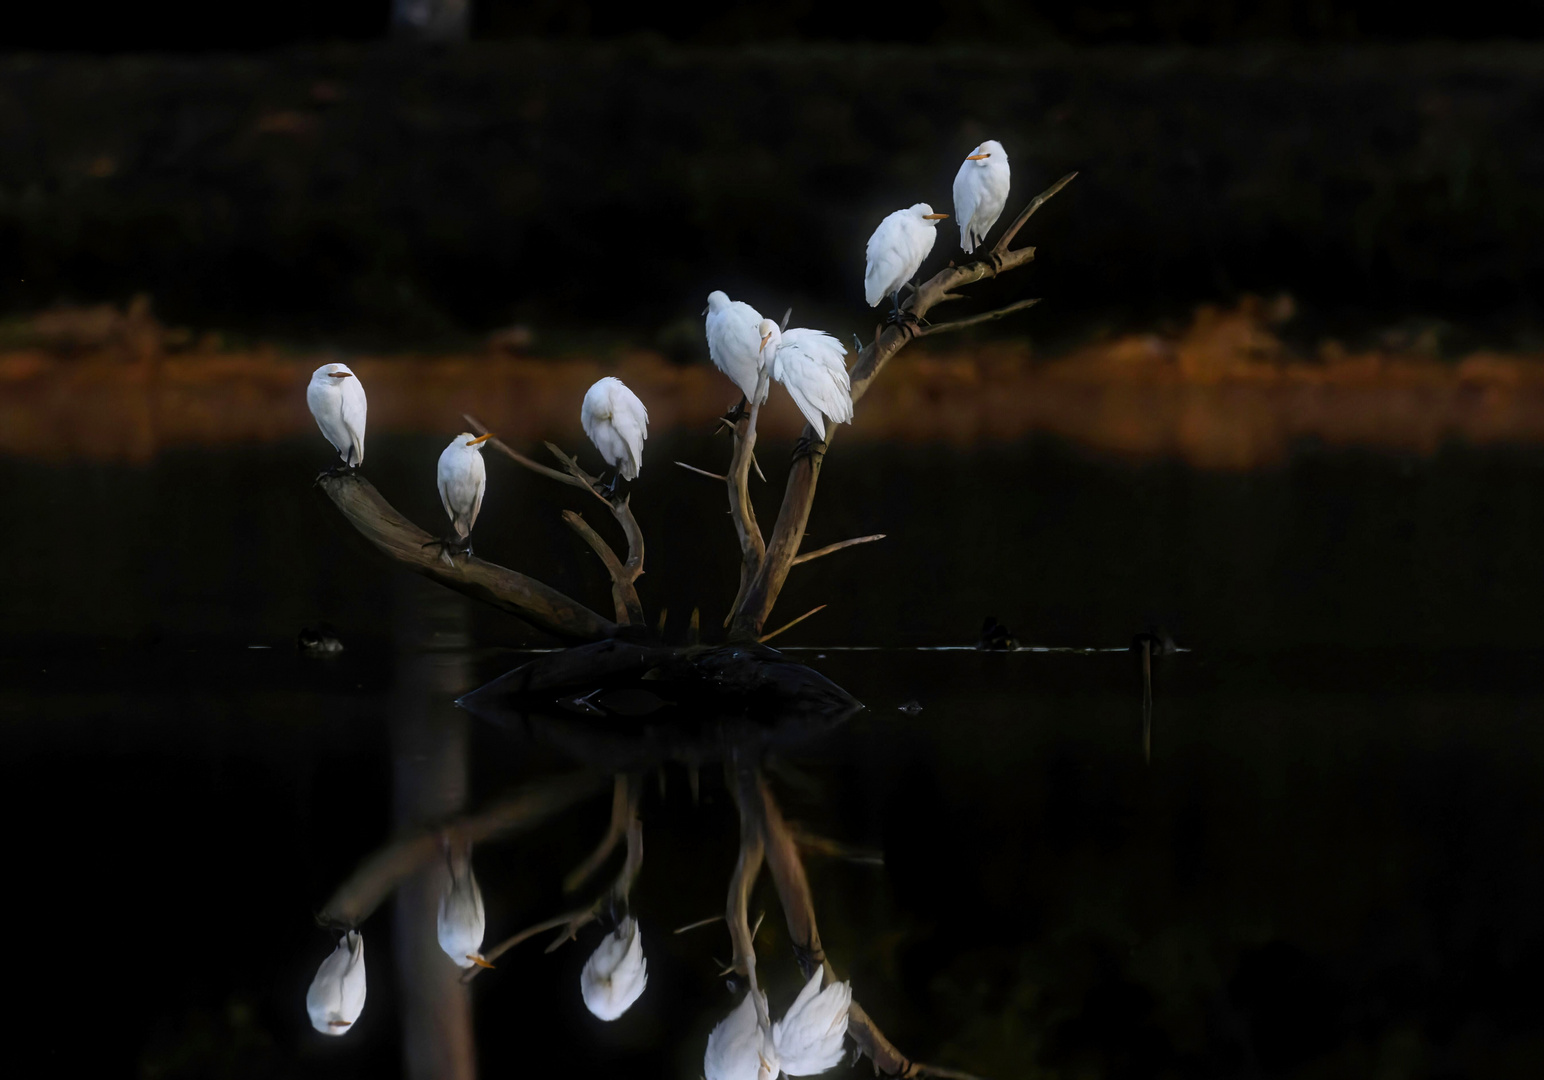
739, 1048
338, 403
615, 974
461, 922
896, 251
463, 478
980, 192
733, 343
809, 1037
617, 423
337, 994
809, 363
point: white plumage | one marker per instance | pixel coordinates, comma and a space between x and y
616, 973
809, 1037
740, 1048
809, 364
462, 922
617, 423
337, 400
980, 192
337, 994
896, 251
734, 345
463, 480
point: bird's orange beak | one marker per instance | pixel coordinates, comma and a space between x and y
977, 157
935, 217
340, 374
481, 439
479, 961
339, 1023
764, 339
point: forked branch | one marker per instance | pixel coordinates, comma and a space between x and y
624, 575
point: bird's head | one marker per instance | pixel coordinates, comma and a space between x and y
770, 335
475, 440
923, 212
988, 153
718, 300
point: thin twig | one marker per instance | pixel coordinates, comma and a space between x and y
795, 622
976, 320
1001, 247
829, 548
608, 843
703, 472
499, 444
709, 921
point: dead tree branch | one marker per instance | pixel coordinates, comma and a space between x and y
829, 548
624, 575
976, 320
623, 810
627, 792
755, 602
399, 539
793, 622
379, 874
793, 892
747, 868
753, 547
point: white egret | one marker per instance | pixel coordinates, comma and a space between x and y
739, 1048
337, 400
896, 251
337, 994
732, 343
980, 192
463, 479
616, 973
617, 423
462, 922
809, 364
809, 1037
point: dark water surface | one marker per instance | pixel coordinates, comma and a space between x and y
1329, 868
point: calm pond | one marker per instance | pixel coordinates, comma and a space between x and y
1329, 866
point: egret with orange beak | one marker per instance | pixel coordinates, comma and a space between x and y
980, 192
463, 479
896, 251
338, 403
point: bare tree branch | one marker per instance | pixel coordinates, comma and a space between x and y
399, 539
795, 622
620, 816
976, 320
753, 548
746, 869
754, 604
703, 472
624, 576
829, 548
381, 872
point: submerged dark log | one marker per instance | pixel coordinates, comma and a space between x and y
624, 705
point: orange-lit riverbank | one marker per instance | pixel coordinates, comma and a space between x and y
1222, 394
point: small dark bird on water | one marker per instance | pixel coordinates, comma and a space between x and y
995, 637
320, 640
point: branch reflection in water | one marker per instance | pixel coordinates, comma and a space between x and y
622, 734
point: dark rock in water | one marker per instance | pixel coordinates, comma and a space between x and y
910, 708
995, 637
320, 640
625, 704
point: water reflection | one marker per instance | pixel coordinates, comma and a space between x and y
727, 705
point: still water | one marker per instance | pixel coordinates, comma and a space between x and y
1329, 867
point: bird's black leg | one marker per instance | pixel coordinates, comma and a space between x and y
608, 491
738, 411
807, 447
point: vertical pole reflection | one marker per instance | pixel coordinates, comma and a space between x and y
429, 783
